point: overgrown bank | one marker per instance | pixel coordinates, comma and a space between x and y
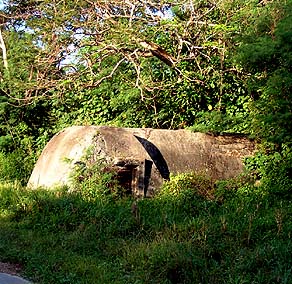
192, 232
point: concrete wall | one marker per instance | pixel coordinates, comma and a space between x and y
135, 149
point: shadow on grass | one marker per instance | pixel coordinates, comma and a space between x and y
183, 235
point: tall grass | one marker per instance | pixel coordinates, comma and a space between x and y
193, 231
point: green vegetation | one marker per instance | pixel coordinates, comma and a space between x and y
192, 232
219, 66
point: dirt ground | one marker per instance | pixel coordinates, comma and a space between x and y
10, 268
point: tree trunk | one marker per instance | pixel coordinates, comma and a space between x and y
4, 52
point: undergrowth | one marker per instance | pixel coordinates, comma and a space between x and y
193, 231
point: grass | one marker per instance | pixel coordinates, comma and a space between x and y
192, 232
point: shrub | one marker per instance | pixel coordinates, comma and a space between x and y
16, 165
93, 178
273, 167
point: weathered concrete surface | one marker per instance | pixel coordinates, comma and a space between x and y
184, 151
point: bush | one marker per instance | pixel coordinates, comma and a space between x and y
94, 179
181, 235
16, 166
273, 168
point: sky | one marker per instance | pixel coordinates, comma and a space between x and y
1, 4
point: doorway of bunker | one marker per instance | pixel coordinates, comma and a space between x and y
134, 176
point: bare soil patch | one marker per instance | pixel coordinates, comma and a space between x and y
10, 268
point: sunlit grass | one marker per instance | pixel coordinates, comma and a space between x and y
194, 231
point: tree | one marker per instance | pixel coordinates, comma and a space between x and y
265, 52
4, 52
22, 119
214, 65
160, 63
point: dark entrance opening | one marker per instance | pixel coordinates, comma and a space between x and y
134, 176
126, 176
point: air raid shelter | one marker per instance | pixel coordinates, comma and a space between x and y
143, 158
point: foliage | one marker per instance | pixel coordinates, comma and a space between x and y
273, 168
94, 179
193, 231
133, 64
166, 65
25, 124
221, 67
15, 166
265, 51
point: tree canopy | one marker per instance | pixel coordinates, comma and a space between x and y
167, 60
221, 66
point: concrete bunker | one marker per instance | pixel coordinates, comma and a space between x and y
143, 158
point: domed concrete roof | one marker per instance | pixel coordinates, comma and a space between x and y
167, 151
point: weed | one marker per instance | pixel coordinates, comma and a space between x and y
193, 231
